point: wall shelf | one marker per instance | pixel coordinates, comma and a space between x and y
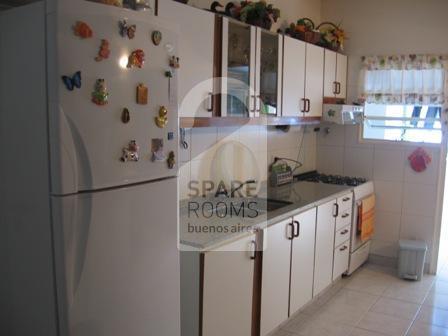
190, 122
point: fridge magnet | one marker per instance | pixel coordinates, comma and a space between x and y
419, 160
162, 119
127, 30
125, 116
171, 161
104, 51
82, 30
142, 94
72, 82
169, 75
170, 136
157, 150
174, 62
130, 152
136, 59
156, 37
100, 95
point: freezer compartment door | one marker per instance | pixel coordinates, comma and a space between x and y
117, 253
87, 138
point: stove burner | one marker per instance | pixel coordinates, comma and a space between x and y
333, 179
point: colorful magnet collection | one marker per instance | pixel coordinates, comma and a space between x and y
127, 30
142, 94
130, 152
136, 59
162, 119
156, 37
82, 30
100, 94
104, 51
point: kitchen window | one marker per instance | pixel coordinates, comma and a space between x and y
404, 97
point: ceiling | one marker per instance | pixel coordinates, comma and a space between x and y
5, 4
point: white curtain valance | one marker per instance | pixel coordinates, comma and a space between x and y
405, 80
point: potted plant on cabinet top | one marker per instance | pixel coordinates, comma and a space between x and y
259, 13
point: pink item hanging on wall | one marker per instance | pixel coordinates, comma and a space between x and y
419, 160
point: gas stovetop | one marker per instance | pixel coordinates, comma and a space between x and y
314, 176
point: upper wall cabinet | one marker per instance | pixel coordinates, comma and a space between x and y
251, 70
196, 53
303, 65
335, 83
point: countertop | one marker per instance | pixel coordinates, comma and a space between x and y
204, 230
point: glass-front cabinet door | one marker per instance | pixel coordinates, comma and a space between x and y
238, 69
269, 68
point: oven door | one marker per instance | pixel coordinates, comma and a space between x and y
356, 235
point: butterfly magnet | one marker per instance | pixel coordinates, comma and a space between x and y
73, 81
127, 30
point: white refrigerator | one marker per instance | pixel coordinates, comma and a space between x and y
89, 232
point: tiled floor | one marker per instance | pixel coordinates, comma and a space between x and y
374, 302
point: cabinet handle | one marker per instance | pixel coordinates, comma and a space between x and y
302, 103
343, 248
344, 232
335, 87
254, 252
337, 210
297, 234
308, 106
291, 225
339, 88
346, 199
345, 215
258, 103
211, 103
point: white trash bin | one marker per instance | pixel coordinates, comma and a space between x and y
411, 260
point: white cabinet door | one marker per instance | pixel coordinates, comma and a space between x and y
330, 73
314, 79
294, 54
302, 263
275, 276
341, 75
323, 265
228, 290
196, 49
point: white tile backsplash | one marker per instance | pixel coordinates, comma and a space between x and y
358, 162
388, 165
419, 199
387, 226
389, 196
202, 142
330, 160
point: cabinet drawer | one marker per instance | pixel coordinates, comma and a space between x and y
341, 255
345, 202
344, 218
342, 235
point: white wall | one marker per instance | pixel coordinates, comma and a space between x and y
291, 10
264, 143
406, 200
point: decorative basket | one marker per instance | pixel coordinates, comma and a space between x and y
307, 33
329, 36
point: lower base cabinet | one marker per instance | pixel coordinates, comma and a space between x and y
302, 260
228, 279
341, 256
287, 271
275, 276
